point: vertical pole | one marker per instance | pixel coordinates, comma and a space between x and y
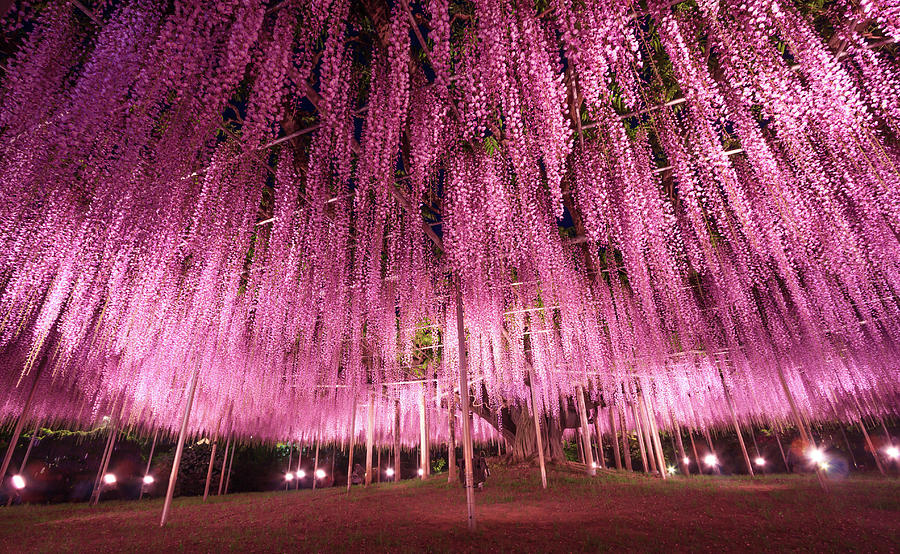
378, 473
452, 475
585, 432
179, 449
370, 437
397, 441
466, 406
109, 439
423, 441
224, 462
149, 460
614, 438
20, 423
316, 465
287, 484
299, 462
626, 451
352, 440
640, 434
654, 434
685, 467
535, 410
600, 460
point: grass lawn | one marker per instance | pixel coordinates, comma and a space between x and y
614, 511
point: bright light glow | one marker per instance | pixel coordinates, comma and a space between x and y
148, 479
389, 472
893, 452
594, 465
288, 476
760, 461
301, 474
109, 479
18, 482
686, 460
421, 472
816, 455
320, 473
711, 460
672, 469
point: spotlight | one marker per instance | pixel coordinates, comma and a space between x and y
18, 482
389, 472
760, 461
671, 470
421, 472
301, 474
320, 474
288, 476
686, 460
816, 455
893, 452
148, 479
711, 460
109, 479
594, 465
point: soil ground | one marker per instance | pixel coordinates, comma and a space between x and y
614, 511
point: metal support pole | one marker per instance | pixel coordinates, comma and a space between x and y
585, 431
614, 437
224, 462
179, 449
352, 441
149, 460
466, 406
396, 441
20, 423
370, 437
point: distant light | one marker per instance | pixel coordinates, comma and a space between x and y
18, 482
288, 476
109, 479
594, 465
686, 460
711, 460
893, 452
148, 479
672, 470
760, 461
301, 474
816, 455
320, 473
389, 472
421, 472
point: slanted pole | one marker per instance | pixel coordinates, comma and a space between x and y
224, 461
600, 460
535, 410
871, 446
696, 457
212, 459
780, 448
640, 435
20, 423
614, 438
179, 449
370, 438
234, 445
98, 486
676, 430
149, 460
585, 432
466, 407
34, 433
396, 441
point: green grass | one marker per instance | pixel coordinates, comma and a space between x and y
614, 511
